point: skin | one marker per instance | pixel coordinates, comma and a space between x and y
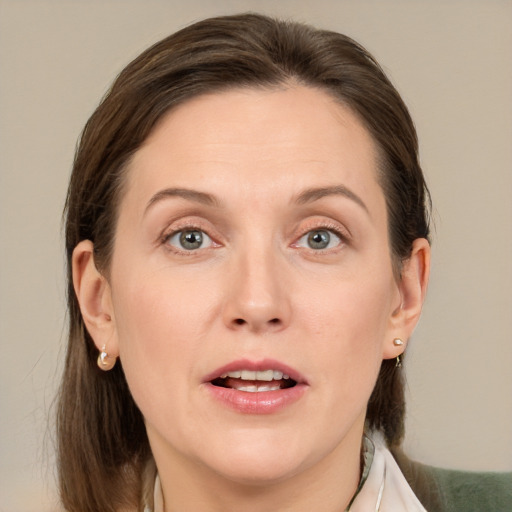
256, 291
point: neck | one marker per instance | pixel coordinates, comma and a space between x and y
327, 485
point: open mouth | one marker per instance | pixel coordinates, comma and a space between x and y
256, 387
254, 381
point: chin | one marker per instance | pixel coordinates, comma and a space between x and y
254, 461
258, 471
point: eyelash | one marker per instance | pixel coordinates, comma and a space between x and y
320, 226
329, 227
168, 235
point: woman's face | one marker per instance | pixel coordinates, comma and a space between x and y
252, 237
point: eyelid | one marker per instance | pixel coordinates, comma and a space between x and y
323, 249
187, 224
322, 224
206, 239
328, 225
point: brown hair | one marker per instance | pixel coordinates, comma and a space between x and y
102, 443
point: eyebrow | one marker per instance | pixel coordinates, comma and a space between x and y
307, 196
314, 194
185, 193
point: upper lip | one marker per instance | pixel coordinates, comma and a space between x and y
261, 365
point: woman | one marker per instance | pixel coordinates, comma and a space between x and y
247, 241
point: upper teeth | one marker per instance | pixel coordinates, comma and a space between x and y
266, 375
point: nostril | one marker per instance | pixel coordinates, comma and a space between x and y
256, 324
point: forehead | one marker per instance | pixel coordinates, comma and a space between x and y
257, 140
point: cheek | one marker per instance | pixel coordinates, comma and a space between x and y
161, 327
346, 326
161, 308
351, 310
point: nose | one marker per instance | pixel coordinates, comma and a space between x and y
257, 299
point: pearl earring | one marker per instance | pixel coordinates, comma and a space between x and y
398, 343
105, 362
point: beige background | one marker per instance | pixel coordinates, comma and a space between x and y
451, 60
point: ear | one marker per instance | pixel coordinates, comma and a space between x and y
94, 297
412, 287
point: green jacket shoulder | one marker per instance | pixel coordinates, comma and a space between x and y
445, 490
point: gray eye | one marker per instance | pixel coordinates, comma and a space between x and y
319, 239
190, 240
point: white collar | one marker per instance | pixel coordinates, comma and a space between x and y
385, 488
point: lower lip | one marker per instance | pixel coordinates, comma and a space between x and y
264, 402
